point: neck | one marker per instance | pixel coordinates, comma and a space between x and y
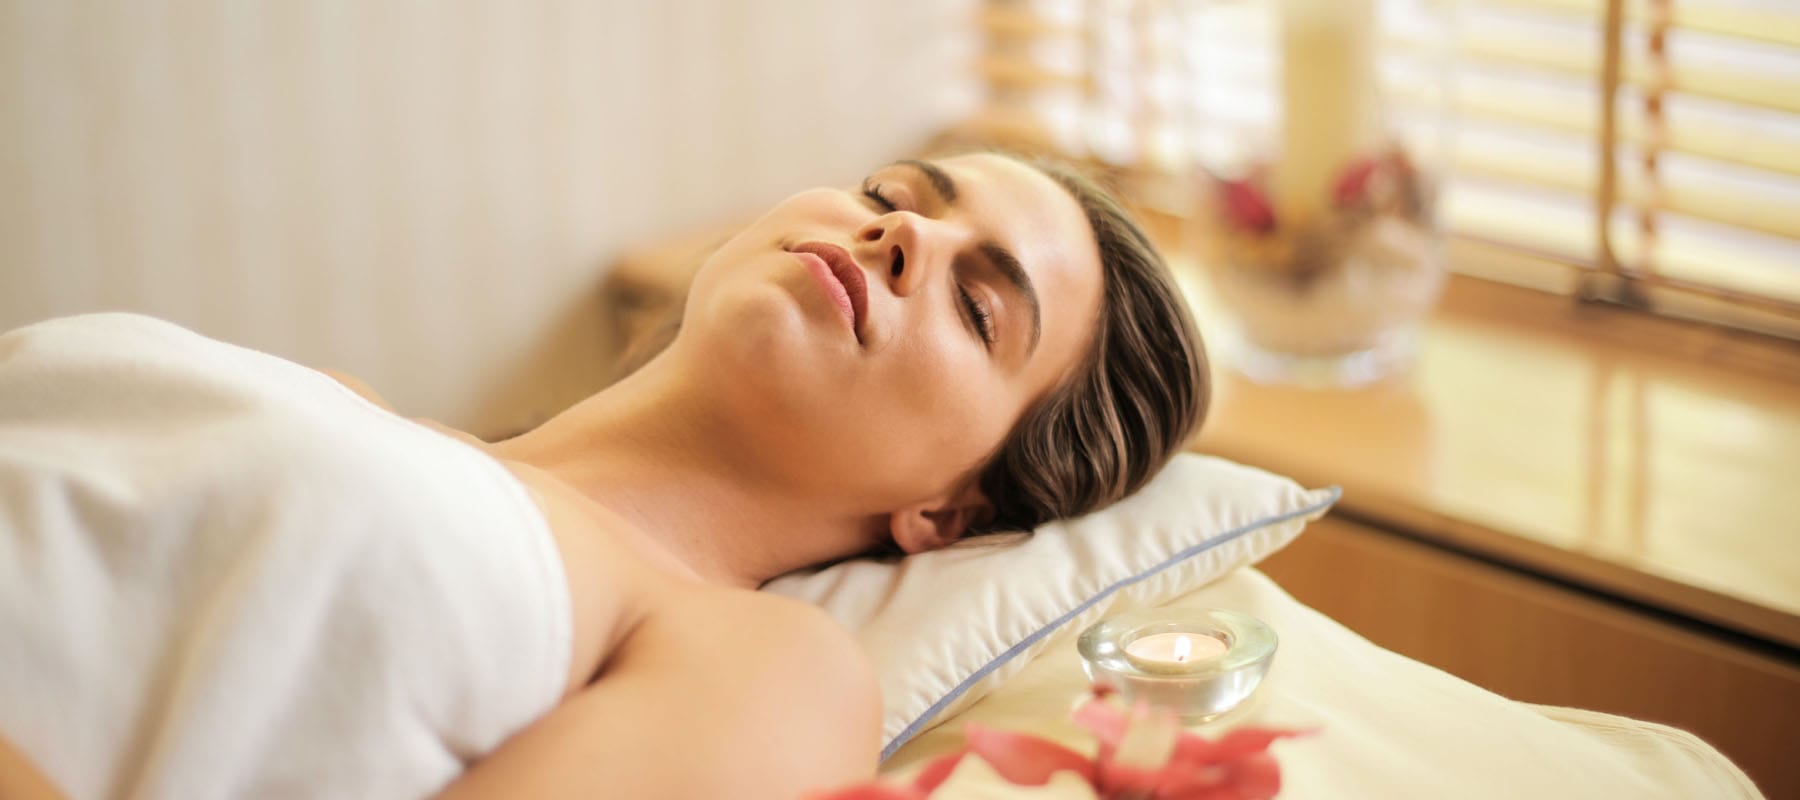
690, 481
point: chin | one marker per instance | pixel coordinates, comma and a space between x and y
765, 346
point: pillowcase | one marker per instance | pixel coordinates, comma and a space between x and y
947, 627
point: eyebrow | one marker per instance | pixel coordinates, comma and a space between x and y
940, 180
1001, 258
1014, 273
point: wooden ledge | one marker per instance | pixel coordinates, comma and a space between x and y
1644, 458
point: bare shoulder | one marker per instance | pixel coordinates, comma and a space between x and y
786, 675
791, 616
714, 693
792, 645
830, 655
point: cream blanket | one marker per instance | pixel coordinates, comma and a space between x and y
1388, 726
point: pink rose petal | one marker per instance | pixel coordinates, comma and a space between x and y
1149, 740
1104, 720
1353, 182
1235, 744
1258, 776
1246, 208
873, 790
938, 771
1117, 781
1025, 760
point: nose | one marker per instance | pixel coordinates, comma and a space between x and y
906, 249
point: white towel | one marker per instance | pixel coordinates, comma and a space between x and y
223, 574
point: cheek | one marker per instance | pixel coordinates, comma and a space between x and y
755, 345
956, 400
810, 212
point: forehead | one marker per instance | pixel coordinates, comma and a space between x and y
1031, 214
1018, 198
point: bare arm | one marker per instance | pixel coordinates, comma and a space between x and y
762, 703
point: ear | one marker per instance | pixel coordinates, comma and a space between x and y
937, 523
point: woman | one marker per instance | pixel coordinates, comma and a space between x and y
951, 348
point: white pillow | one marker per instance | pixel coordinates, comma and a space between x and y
947, 627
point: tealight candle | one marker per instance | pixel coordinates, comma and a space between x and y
1176, 651
1199, 664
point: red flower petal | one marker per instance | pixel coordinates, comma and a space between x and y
1245, 206
1149, 739
1257, 776
938, 771
873, 790
1117, 781
1189, 780
1025, 760
1253, 778
1235, 744
1238, 766
1107, 722
1353, 182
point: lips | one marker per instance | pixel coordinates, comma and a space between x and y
848, 274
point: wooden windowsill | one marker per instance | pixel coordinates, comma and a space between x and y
1648, 459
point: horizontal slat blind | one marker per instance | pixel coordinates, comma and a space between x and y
1703, 194
1706, 179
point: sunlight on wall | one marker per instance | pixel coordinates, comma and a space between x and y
426, 198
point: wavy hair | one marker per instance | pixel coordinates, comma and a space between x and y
1140, 394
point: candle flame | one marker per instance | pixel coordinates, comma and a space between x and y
1183, 646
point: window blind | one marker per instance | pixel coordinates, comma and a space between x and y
1645, 152
1698, 213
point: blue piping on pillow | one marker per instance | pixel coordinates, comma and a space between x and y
912, 729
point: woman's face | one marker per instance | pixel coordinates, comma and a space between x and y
979, 290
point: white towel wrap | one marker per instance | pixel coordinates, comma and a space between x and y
222, 574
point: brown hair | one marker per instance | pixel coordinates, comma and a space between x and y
1139, 395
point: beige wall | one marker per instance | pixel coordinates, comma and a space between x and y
425, 193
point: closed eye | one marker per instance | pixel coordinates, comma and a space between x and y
980, 318
979, 315
875, 195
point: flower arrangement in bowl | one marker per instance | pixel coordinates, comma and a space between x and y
1330, 298
1322, 145
1143, 754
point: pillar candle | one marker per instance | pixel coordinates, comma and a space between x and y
1328, 101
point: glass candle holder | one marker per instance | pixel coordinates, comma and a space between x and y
1198, 664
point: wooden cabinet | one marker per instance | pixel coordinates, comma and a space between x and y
1566, 505
1540, 641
